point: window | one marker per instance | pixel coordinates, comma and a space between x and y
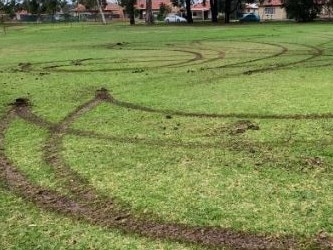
269, 11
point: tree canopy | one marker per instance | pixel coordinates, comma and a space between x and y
302, 10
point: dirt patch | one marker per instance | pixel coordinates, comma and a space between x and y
78, 62
115, 45
314, 162
324, 240
21, 102
103, 94
24, 66
242, 126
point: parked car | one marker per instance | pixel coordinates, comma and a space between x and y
251, 17
175, 19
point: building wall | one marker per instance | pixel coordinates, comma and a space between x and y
272, 13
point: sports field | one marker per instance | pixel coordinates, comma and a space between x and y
166, 137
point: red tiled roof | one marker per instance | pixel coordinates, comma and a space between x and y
200, 6
141, 4
272, 3
22, 12
113, 7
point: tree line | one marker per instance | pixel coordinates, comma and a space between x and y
301, 10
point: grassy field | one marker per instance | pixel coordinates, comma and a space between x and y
193, 128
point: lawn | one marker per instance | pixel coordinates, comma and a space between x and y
166, 137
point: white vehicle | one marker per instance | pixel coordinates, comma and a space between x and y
174, 19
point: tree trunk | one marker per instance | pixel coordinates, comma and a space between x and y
131, 17
213, 8
149, 13
101, 11
130, 11
227, 11
189, 11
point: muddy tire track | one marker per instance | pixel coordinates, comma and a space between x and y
100, 214
198, 57
316, 52
134, 106
87, 204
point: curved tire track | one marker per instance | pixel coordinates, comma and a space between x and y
92, 207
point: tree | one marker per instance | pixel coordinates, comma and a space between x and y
163, 11
328, 7
214, 10
130, 9
32, 6
99, 6
149, 12
9, 7
189, 11
93, 4
2, 6
187, 4
231, 6
302, 10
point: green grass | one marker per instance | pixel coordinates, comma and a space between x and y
191, 170
25, 227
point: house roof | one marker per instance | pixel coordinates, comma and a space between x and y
80, 8
141, 4
113, 7
272, 3
201, 7
251, 6
22, 12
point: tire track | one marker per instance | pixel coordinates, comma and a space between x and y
93, 209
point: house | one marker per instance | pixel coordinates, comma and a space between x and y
110, 11
116, 11
201, 11
251, 8
326, 9
156, 4
272, 10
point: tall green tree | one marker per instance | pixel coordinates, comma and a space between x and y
302, 10
32, 6
43, 6
9, 7
232, 6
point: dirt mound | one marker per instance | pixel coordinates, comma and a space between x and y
242, 126
21, 102
103, 94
